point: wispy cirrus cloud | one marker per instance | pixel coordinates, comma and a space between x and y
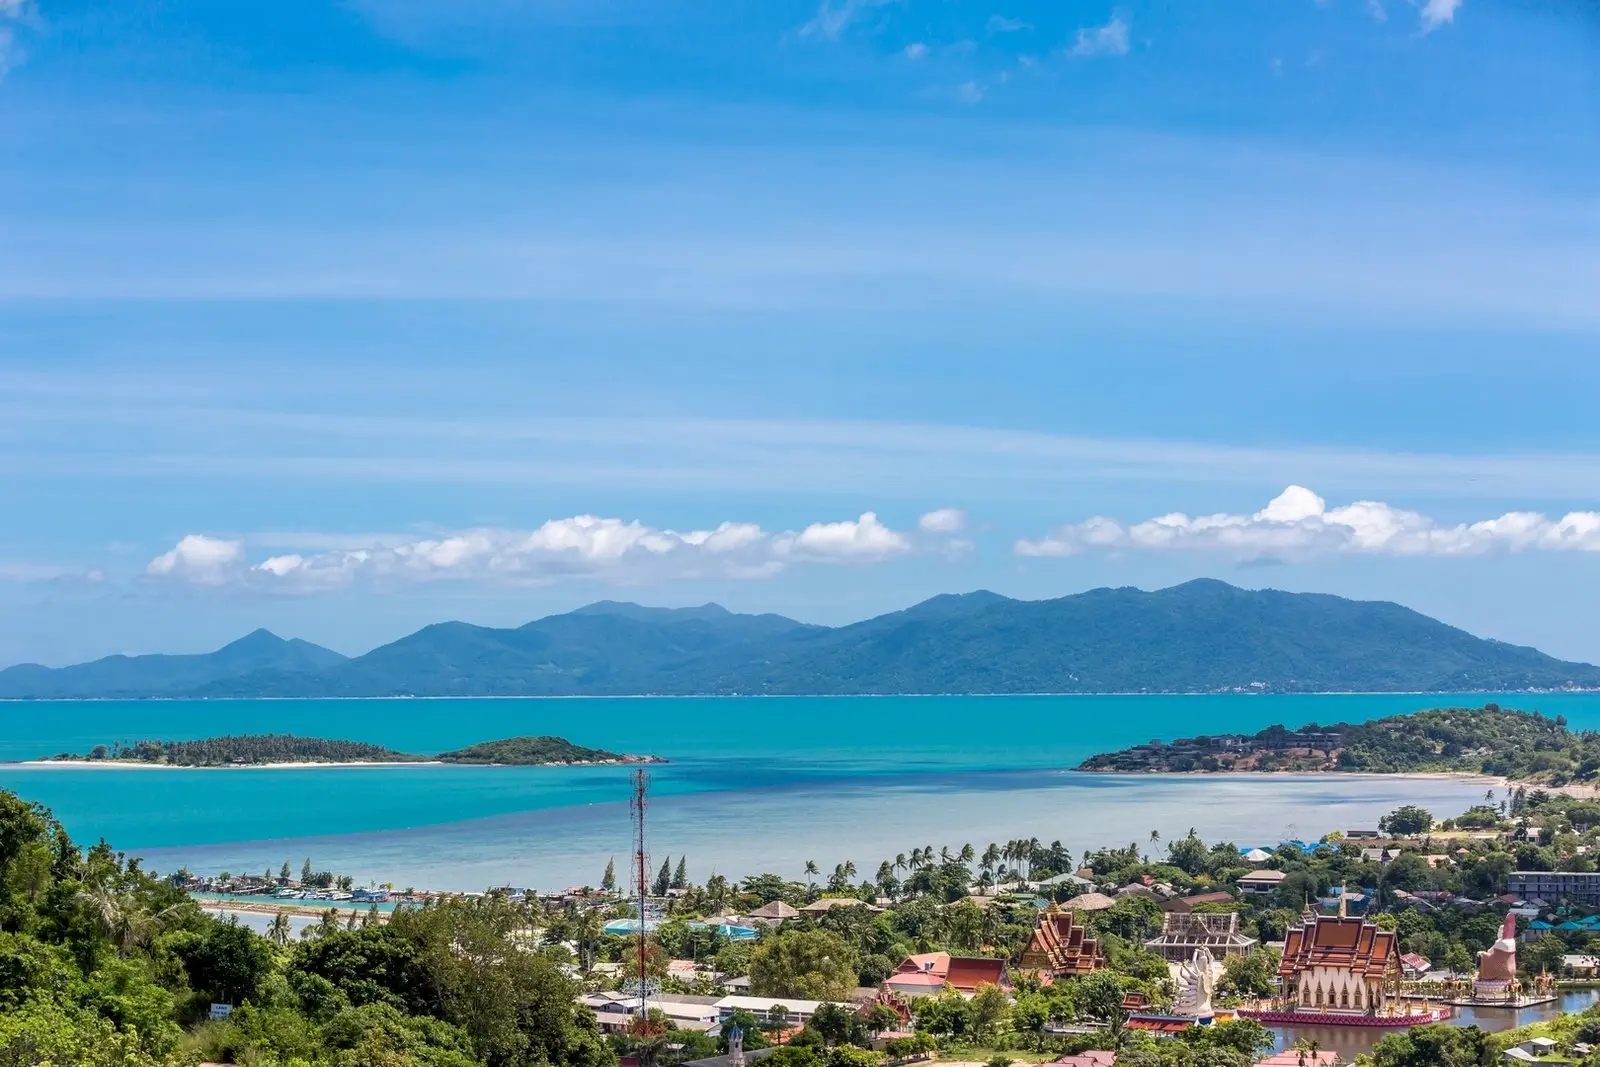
12, 14
1299, 524
581, 546
833, 19
1002, 24
1109, 40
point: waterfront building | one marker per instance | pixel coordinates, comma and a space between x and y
1339, 965
1182, 933
1059, 947
934, 972
1576, 887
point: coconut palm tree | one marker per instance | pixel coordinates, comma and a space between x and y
966, 855
278, 928
811, 872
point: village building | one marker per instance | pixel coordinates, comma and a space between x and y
1260, 883
1184, 932
1090, 902
827, 904
775, 912
1190, 903
934, 972
1059, 947
1339, 965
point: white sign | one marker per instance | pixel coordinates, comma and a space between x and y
221, 1011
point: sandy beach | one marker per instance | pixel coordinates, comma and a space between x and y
136, 765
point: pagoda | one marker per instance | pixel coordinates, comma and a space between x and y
1059, 947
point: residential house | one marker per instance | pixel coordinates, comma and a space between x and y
935, 972
1260, 883
827, 904
1089, 902
1187, 904
775, 912
1415, 966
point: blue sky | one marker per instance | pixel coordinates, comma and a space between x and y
342, 318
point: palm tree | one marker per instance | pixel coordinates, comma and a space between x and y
899, 861
967, 853
944, 854
278, 928
811, 872
848, 867
990, 857
1155, 837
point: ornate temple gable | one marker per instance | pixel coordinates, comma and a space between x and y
1060, 947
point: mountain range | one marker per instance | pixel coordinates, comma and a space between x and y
1202, 636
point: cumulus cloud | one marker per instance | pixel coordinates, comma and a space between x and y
1436, 13
576, 547
199, 560
1298, 523
916, 50
1108, 40
943, 520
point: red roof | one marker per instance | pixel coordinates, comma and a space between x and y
1353, 944
967, 973
962, 973
1060, 946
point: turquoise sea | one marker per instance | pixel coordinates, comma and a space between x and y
753, 784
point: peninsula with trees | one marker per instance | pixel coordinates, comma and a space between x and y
266, 750
1506, 743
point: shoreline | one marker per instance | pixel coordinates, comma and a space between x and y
301, 765
810, 696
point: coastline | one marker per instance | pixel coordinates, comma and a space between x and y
303, 765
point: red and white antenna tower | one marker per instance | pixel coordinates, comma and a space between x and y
641, 884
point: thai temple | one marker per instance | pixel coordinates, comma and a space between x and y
1059, 947
1336, 965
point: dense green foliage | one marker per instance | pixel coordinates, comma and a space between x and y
100, 964
1203, 636
247, 749
1487, 740
165, 675
524, 751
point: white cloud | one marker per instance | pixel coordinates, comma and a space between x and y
916, 50
1298, 523
1378, 12
943, 520
199, 560
969, 92
1002, 24
10, 51
581, 546
1108, 40
1436, 13
833, 19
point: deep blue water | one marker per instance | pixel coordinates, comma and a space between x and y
757, 783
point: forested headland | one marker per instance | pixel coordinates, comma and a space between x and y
1503, 742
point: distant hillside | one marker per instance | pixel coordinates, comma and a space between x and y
1524, 746
537, 751
161, 675
1202, 636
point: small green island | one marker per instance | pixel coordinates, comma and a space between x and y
265, 750
1491, 740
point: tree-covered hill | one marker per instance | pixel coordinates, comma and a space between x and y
242, 750
102, 965
1492, 740
1199, 637
160, 675
536, 751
